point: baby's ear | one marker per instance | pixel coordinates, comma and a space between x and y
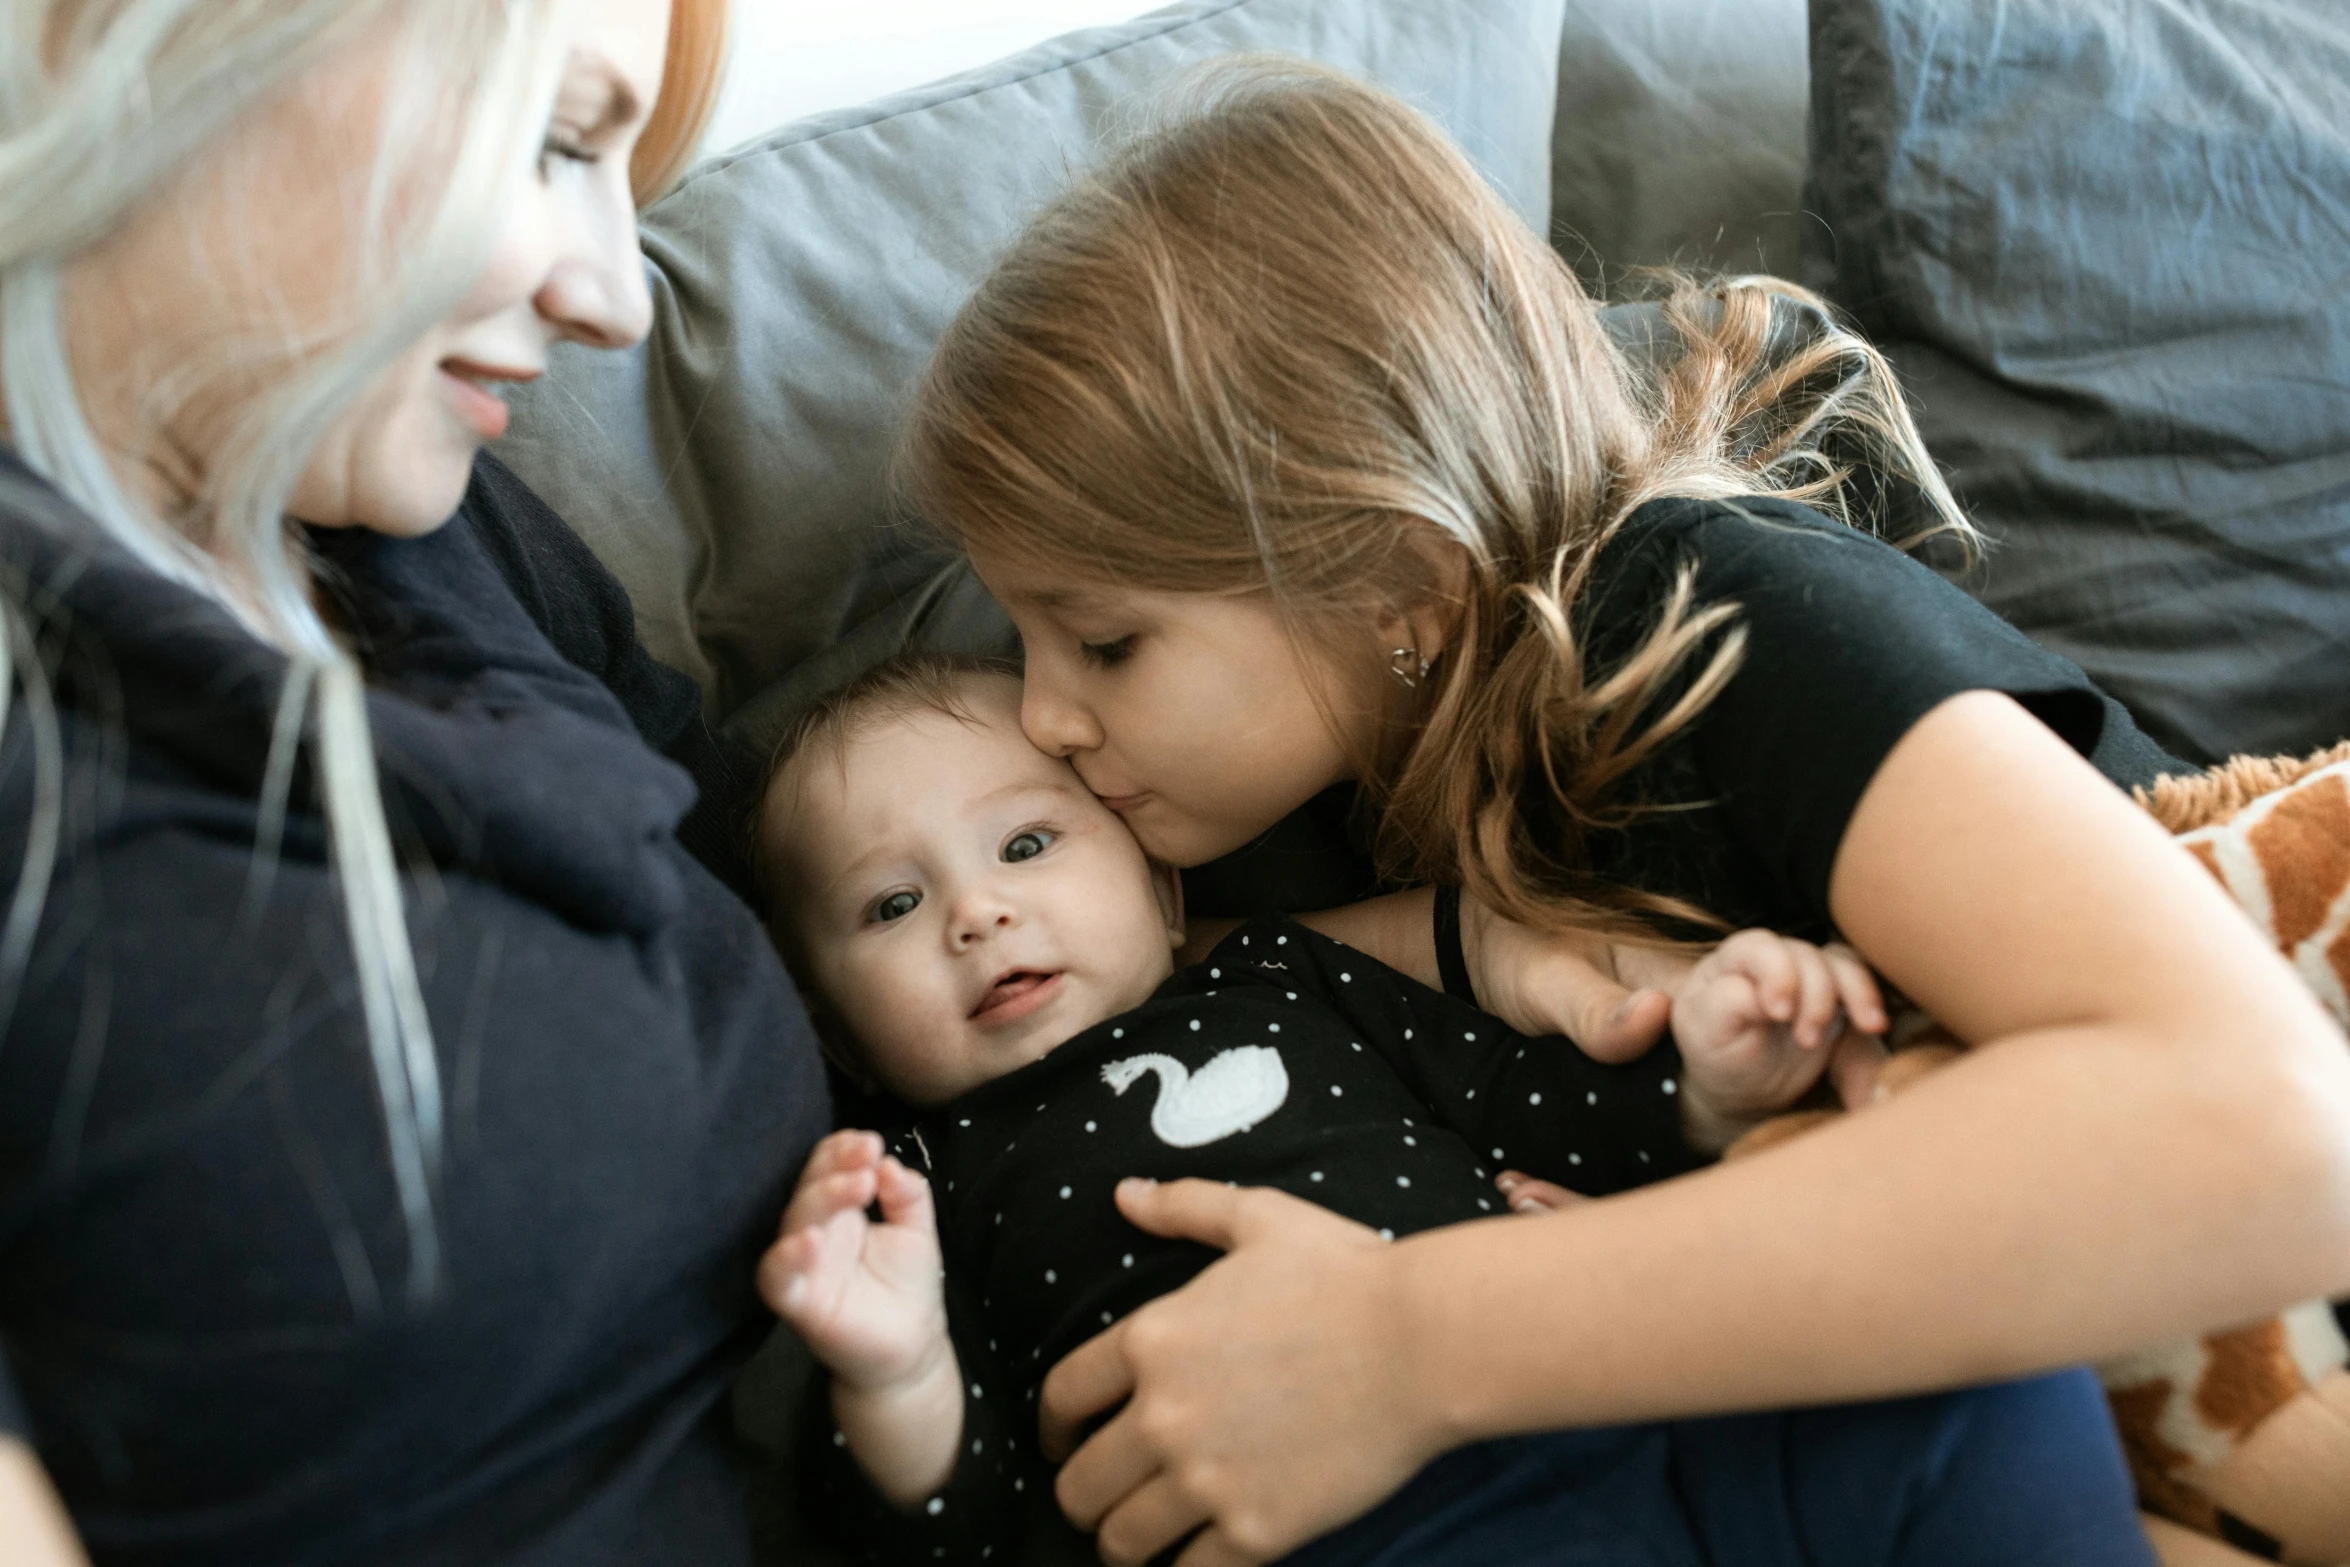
1167, 885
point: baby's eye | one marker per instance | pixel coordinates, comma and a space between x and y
1027, 845
1103, 655
896, 906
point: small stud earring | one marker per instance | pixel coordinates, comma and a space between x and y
1406, 664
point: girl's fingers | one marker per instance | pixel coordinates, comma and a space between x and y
1854, 1068
1091, 1378
1864, 1003
1152, 1517
1525, 1194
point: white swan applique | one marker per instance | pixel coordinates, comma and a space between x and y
1232, 1093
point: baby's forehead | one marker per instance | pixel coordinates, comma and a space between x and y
904, 766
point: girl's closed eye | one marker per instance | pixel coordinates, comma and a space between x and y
1103, 655
892, 906
1028, 843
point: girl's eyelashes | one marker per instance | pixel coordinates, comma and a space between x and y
1028, 843
892, 906
1102, 655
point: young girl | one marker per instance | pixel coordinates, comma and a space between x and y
1298, 460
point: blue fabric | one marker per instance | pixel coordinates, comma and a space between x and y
2021, 1474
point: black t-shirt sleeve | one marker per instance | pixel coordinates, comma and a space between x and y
585, 613
14, 1422
1848, 643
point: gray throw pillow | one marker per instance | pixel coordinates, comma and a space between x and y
733, 470
2108, 245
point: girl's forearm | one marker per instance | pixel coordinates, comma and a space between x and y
2056, 1198
34, 1530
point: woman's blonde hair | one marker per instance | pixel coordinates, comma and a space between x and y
102, 103
1286, 340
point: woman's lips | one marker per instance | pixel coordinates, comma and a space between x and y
468, 384
1122, 803
476, 404
1015, 996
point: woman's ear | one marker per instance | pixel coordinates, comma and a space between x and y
1167, 886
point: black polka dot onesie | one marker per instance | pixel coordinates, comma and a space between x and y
1285, 1060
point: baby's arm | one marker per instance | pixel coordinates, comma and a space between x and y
868, 1300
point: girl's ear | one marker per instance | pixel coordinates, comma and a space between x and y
1167, 886
1426, 621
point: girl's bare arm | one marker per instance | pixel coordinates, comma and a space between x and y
34, 1531
2153, 1136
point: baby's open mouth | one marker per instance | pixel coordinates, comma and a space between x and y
1014, 994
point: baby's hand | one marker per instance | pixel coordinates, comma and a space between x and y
1760, 1018
866, 1296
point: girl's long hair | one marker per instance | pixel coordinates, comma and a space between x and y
103, 103
1287, 338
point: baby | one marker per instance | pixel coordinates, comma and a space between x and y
984, 940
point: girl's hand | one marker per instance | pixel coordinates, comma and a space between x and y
1269, 1400
865, 1296
1525, 1194
1761, 1018
1541, 983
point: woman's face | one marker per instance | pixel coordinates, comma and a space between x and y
241, 245
1194, 717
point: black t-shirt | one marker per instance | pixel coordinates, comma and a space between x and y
1849, 642
1286, 1060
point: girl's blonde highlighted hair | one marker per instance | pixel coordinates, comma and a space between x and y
1287, 340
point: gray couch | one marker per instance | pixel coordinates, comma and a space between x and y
2107, 245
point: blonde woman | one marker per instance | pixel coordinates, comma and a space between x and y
1300, 463
354, 1206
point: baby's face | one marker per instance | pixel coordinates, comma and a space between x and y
962, 900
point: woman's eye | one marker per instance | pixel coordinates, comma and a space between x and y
895, 907
558, 147
1104, 654
1027, 846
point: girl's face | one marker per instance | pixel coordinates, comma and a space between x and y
233, 253
1197, 718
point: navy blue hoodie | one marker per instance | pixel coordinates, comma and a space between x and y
204, 1299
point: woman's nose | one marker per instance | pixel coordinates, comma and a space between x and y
1054, 724
595, 293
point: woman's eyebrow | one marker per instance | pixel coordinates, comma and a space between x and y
621, 105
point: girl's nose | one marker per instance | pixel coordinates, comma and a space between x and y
1054, 724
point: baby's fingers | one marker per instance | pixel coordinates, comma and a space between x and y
1863, 1002
1768, 963
820, 1197
905, 1197
1525, 1194
1819, 1010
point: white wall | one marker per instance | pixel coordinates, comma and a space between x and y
794, 57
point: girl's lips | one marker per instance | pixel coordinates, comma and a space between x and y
1016, 996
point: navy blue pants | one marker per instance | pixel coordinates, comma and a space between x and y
2021, 1474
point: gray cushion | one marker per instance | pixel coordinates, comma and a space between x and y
733, 471
1680, 135
2106, 244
